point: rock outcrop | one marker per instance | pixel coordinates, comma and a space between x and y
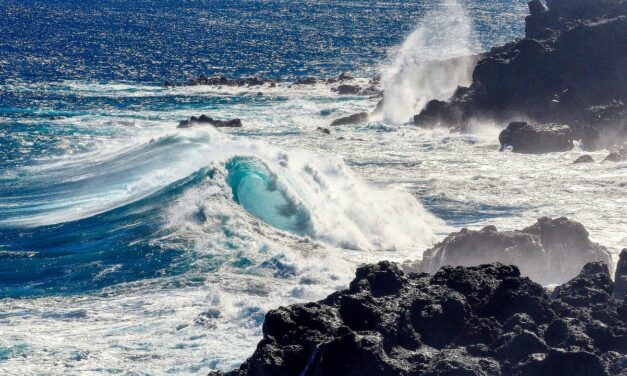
346, 89
204, 119
549, 252
203, 80
528, 138
571, 68
358, 118
484, 320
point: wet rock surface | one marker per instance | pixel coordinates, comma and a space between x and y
481, 320
206, 120
570, 68
359, 118
551, 251
528, 138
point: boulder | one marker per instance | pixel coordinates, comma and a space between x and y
359, 118
528, 138
586, 158
482, 320
549, 252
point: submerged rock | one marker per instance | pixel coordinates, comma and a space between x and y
549, 252
482, 320
359, 118
527, 138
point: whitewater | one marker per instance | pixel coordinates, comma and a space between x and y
133, 247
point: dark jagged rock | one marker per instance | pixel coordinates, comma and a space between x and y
593, 284
358, 118
586, 158
306, 81
549, 252
620, 278
536, 7
527, 138
203, 80
204, 119
482, 320
435, 114
344, 77
571, 68
348, 90
324, 130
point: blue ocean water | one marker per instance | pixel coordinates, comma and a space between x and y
128, 246
157, 40
50, 47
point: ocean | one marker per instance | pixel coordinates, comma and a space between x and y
128, 246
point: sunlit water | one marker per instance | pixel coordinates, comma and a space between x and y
130, 246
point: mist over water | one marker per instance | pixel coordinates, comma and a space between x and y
416, 72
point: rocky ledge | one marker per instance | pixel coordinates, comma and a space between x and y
571, 68
481, 320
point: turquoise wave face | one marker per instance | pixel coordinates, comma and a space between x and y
258, 191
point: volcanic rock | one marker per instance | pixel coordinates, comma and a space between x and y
549, 252
571, 68
481, 320
204, 119
527, 138
358, 118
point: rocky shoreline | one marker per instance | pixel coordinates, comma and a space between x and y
570, 69
462, 320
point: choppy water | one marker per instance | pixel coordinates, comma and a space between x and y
129, 246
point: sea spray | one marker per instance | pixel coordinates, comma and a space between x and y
432, 61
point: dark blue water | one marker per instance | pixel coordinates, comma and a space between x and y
156, 40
